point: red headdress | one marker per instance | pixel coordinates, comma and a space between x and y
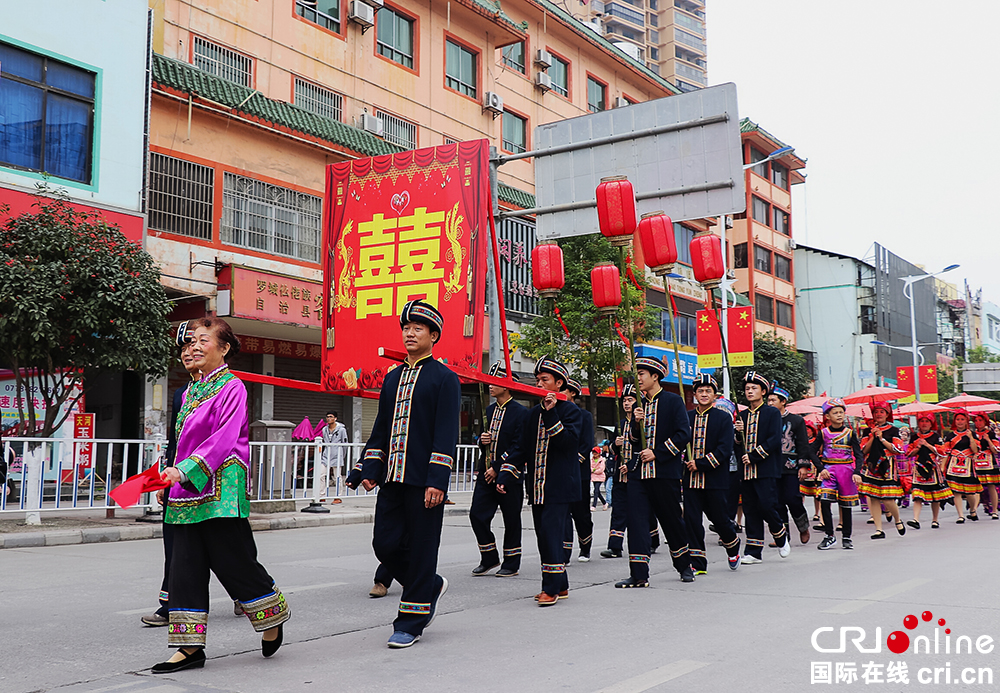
928, 417
884, 406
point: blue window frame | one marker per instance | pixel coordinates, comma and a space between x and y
46, 115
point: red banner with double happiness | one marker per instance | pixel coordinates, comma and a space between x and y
405, 226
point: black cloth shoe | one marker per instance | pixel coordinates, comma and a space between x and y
913, 523
687, 575
608, 553
629, 583
195, 660
879, 535
506, 572
482, 569
269, 647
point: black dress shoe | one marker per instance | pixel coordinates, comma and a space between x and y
506, 572
609, 553
482, 569
687, 575
269, 647
195, 660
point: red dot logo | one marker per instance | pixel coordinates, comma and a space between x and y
948, 631
898, 642
940, 621
910, 622
927, 615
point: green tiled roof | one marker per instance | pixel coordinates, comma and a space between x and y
188, 79
582, 29
496, 11
513, 196
747, 125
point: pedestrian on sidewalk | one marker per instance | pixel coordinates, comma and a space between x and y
335, 441
208, 504
547, 459
597, 476
411, 451
503, 426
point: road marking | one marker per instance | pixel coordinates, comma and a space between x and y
227, 600
858, 604
651, 679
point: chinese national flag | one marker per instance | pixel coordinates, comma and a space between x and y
740, 341
928, 384
904, 381
709, 340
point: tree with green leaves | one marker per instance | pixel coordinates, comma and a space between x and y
77, 299
777, 360
593, 347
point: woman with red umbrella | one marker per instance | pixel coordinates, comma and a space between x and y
928, 480
878, 475
986, 462
960, 446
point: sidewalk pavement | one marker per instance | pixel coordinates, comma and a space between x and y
91, 526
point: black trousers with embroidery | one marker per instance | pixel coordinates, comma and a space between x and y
712, 503
580, 515
406, 540
383, 576
550, 525
760, 505
790, 501
619, 521
485, 502
223, 546
659, 499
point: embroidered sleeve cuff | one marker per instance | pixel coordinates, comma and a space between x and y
760, 452
510, 469
671, 447
371, 454
555, 429
443, 460
196, 470
710, 458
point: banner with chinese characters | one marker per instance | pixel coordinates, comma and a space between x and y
280, 347
271, 297
412, 225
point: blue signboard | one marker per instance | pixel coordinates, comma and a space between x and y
689, 361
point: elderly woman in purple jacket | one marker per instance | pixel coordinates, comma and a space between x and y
208, 505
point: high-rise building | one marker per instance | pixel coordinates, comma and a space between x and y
667, 35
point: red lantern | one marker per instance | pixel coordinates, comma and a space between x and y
706, 259
547, 269
606, 286
659, 247
616, 209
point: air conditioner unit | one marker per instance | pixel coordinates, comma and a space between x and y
362, 13
621, 102
792, 245
376, 4
543, 81
493, 102
371, 123
543, 58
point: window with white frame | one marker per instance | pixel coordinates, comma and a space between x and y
398, 131
223, 62
318, 100
180, 196
269, 218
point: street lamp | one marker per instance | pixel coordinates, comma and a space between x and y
776, 154
906, 349
908, 283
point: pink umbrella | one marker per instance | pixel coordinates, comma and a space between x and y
920, 407
984, 408
816, 401
965, 400
799, 408
861, 410
304, 431
877, 394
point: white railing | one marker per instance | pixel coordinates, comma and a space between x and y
56, 474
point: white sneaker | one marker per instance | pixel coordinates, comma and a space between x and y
750, 560
783, 551
583, 559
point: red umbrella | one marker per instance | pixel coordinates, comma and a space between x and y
816, 401
861, 410
965, 400
304, 431
876, 394
984, 408
920, 407
799, 408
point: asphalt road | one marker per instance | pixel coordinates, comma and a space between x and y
69, 619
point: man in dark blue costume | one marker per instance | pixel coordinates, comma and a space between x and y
706, 477
654, 480
758, 450
580, 510
546, 458
502, 429
411, 452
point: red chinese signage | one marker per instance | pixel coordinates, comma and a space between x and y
280, 347
273, 297
399, 227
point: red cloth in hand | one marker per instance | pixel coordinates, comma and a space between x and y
127, 493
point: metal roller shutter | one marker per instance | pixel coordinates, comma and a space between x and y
369, 410
294, 405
